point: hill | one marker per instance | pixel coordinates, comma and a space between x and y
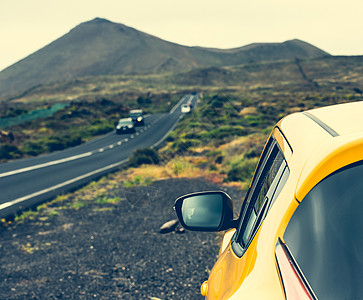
324, 73
101, 47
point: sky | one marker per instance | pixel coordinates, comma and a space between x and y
335, 26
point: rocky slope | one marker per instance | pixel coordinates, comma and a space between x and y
110, 251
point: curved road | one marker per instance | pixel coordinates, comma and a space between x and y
27, 182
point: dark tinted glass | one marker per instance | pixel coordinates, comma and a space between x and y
268, 179
246, 207
325, 235
262, 192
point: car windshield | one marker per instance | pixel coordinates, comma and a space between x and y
124, 122
135, 114
325, 235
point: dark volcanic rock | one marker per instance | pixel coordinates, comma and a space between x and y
113, 252
169, 226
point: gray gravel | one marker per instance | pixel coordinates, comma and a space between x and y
112, 253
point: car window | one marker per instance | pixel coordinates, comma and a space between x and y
325, 235
270, 177
136, 114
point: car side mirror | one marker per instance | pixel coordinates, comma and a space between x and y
205, 211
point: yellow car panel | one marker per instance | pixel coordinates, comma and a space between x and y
343, 118
284, 144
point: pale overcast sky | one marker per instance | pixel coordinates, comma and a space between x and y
333, 25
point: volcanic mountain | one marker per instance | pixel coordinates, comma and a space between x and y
101, 47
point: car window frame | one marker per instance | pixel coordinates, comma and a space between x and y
271, 151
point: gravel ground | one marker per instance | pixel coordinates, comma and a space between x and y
112, 251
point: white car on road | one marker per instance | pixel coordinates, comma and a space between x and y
185, 108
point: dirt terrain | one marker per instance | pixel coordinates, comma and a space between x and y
110, 251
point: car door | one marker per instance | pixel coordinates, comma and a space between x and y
235, 263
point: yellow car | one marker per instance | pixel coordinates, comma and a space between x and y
299, 234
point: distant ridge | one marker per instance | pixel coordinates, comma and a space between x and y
101, 47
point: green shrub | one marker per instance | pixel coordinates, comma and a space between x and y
214, 153
142, 101
243, 170
254, 151
53, 143
213, 168
192, 135
33, 149
253, 121
182, 145
100, 129
145, 156
225, 131
72, 141
9, 151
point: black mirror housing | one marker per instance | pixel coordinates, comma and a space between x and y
205, 211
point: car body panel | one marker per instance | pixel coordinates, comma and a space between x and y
226, 240
229, 272
312, 152
343, 118
283, 143
256, 269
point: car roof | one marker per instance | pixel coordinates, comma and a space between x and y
322, 140
343, 118
306, 130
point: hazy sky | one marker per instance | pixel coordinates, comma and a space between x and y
333, 25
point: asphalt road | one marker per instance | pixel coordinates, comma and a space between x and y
27, 182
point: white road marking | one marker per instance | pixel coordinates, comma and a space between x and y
51, 163
21, 199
